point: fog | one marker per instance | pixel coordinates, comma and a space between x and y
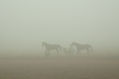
24, 24
33, 31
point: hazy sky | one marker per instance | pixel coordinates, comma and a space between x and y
24, 24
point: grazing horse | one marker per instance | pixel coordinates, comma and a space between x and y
79, 47
51, 47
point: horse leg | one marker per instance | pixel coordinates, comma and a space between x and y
47, 53
88, 51
57, 51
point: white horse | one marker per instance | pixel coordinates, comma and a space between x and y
79, 47
51, 47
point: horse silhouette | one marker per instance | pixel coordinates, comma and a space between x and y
51, 47
79, 47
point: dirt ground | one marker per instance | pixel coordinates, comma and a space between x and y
74, 67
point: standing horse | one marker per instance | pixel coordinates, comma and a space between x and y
79, 47
51, 47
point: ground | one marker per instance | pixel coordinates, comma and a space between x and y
65, 67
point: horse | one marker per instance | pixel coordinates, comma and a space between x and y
80, 47
51, 47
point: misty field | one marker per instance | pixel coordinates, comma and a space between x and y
60, 67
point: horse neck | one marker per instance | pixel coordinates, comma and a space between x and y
44, 44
